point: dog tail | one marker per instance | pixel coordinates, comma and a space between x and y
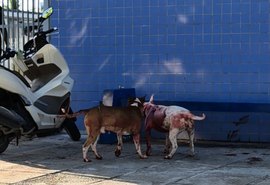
75, 114
198, 118
189, 115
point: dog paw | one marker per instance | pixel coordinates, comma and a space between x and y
148, 152
86, 160
167, 157
191, 155
99, 157
143, 157
117, 153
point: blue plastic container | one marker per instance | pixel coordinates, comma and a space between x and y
115, 98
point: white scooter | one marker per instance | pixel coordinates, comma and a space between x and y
32, 100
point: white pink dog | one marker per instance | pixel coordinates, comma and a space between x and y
171, 120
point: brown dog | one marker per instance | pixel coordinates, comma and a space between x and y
120, 120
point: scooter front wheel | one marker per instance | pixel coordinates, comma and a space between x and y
72, 130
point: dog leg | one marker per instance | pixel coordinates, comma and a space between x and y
173, 138
85, 148
148, 141
94, 148
118, 149
191, 141
168, 145
136, 140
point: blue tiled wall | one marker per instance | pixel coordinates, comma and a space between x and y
180, 50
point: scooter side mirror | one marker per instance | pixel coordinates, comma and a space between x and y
47, 13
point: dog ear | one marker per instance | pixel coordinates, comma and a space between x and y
151, 99
131, 100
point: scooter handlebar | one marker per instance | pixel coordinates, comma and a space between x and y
47, 32
51, 30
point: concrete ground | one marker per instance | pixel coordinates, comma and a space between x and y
58, 160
